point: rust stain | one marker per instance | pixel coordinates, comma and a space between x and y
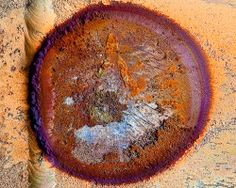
113, 56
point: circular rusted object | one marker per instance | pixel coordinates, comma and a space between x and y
118, 93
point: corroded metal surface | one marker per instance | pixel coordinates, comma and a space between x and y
118, 93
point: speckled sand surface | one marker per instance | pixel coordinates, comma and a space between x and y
210, 163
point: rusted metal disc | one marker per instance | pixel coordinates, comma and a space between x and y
118, 93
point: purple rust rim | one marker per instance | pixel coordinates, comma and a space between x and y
81, 17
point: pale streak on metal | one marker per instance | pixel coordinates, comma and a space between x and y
138, 120
69, 101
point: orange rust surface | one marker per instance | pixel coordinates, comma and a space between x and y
80, 56
112, 48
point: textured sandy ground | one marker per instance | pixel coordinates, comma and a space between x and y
210, 163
